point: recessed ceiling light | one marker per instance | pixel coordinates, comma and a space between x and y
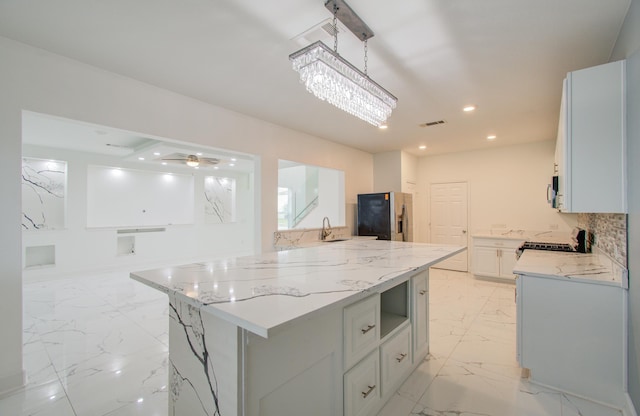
216, 168
469, 108
491, 137
140, 158
233, 159
164, 163
156, 153
423, 147
199, 154
232, 164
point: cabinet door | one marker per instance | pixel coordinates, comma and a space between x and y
507, 262
596, 160
362, 386
420, 314
519, 319
486, 261
395, 357
361, 329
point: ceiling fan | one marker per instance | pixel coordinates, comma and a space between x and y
191, 160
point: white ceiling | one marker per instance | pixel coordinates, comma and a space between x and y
125, 146
506, 56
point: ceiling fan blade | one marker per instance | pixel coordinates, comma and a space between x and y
209, 161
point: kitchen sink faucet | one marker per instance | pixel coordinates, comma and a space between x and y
326, 228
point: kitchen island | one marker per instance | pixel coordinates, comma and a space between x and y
328, 330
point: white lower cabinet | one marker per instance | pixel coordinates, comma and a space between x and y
494, 257
395, 355
571, 335
362, 386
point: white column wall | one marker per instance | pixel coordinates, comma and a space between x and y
11, 374
628, 46
35, 80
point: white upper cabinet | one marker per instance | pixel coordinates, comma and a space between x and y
590, 152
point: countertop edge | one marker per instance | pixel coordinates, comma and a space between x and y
264, 331
619, 274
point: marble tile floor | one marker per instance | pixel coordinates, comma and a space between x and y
97, 346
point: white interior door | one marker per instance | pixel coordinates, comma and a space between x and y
449, 221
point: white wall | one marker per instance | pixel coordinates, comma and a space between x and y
387, 172
35, 80
507, 187
82, 249
409, 169
395, 171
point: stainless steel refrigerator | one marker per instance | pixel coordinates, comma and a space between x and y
387, 215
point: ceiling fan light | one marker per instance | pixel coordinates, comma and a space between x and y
192, 161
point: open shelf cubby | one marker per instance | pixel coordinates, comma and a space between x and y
126, 245
394, 308
39, 256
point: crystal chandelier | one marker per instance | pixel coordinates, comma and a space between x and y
333, 79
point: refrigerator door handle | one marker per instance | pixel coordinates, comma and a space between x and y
405, 222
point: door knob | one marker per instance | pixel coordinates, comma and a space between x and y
464, 231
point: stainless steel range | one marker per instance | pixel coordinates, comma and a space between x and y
579, 242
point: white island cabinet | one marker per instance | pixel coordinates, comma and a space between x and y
327, 330
571, 323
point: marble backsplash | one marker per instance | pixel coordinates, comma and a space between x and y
610, 233
286, 239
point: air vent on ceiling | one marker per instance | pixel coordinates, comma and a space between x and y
329, 28
432, 123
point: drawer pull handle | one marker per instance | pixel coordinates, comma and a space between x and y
368, 392
422, 292
367, 329
401, 357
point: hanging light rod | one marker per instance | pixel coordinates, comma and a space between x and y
349, 18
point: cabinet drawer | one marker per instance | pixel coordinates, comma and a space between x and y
395, 357
362, 386
361, 329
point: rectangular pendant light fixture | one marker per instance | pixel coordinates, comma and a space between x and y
331, 78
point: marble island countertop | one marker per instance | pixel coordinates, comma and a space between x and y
594, 268
266, 292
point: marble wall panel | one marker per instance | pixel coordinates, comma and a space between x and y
220, 200
43, 194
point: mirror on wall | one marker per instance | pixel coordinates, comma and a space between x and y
307, 194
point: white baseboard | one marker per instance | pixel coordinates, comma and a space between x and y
629, 408
12, 383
